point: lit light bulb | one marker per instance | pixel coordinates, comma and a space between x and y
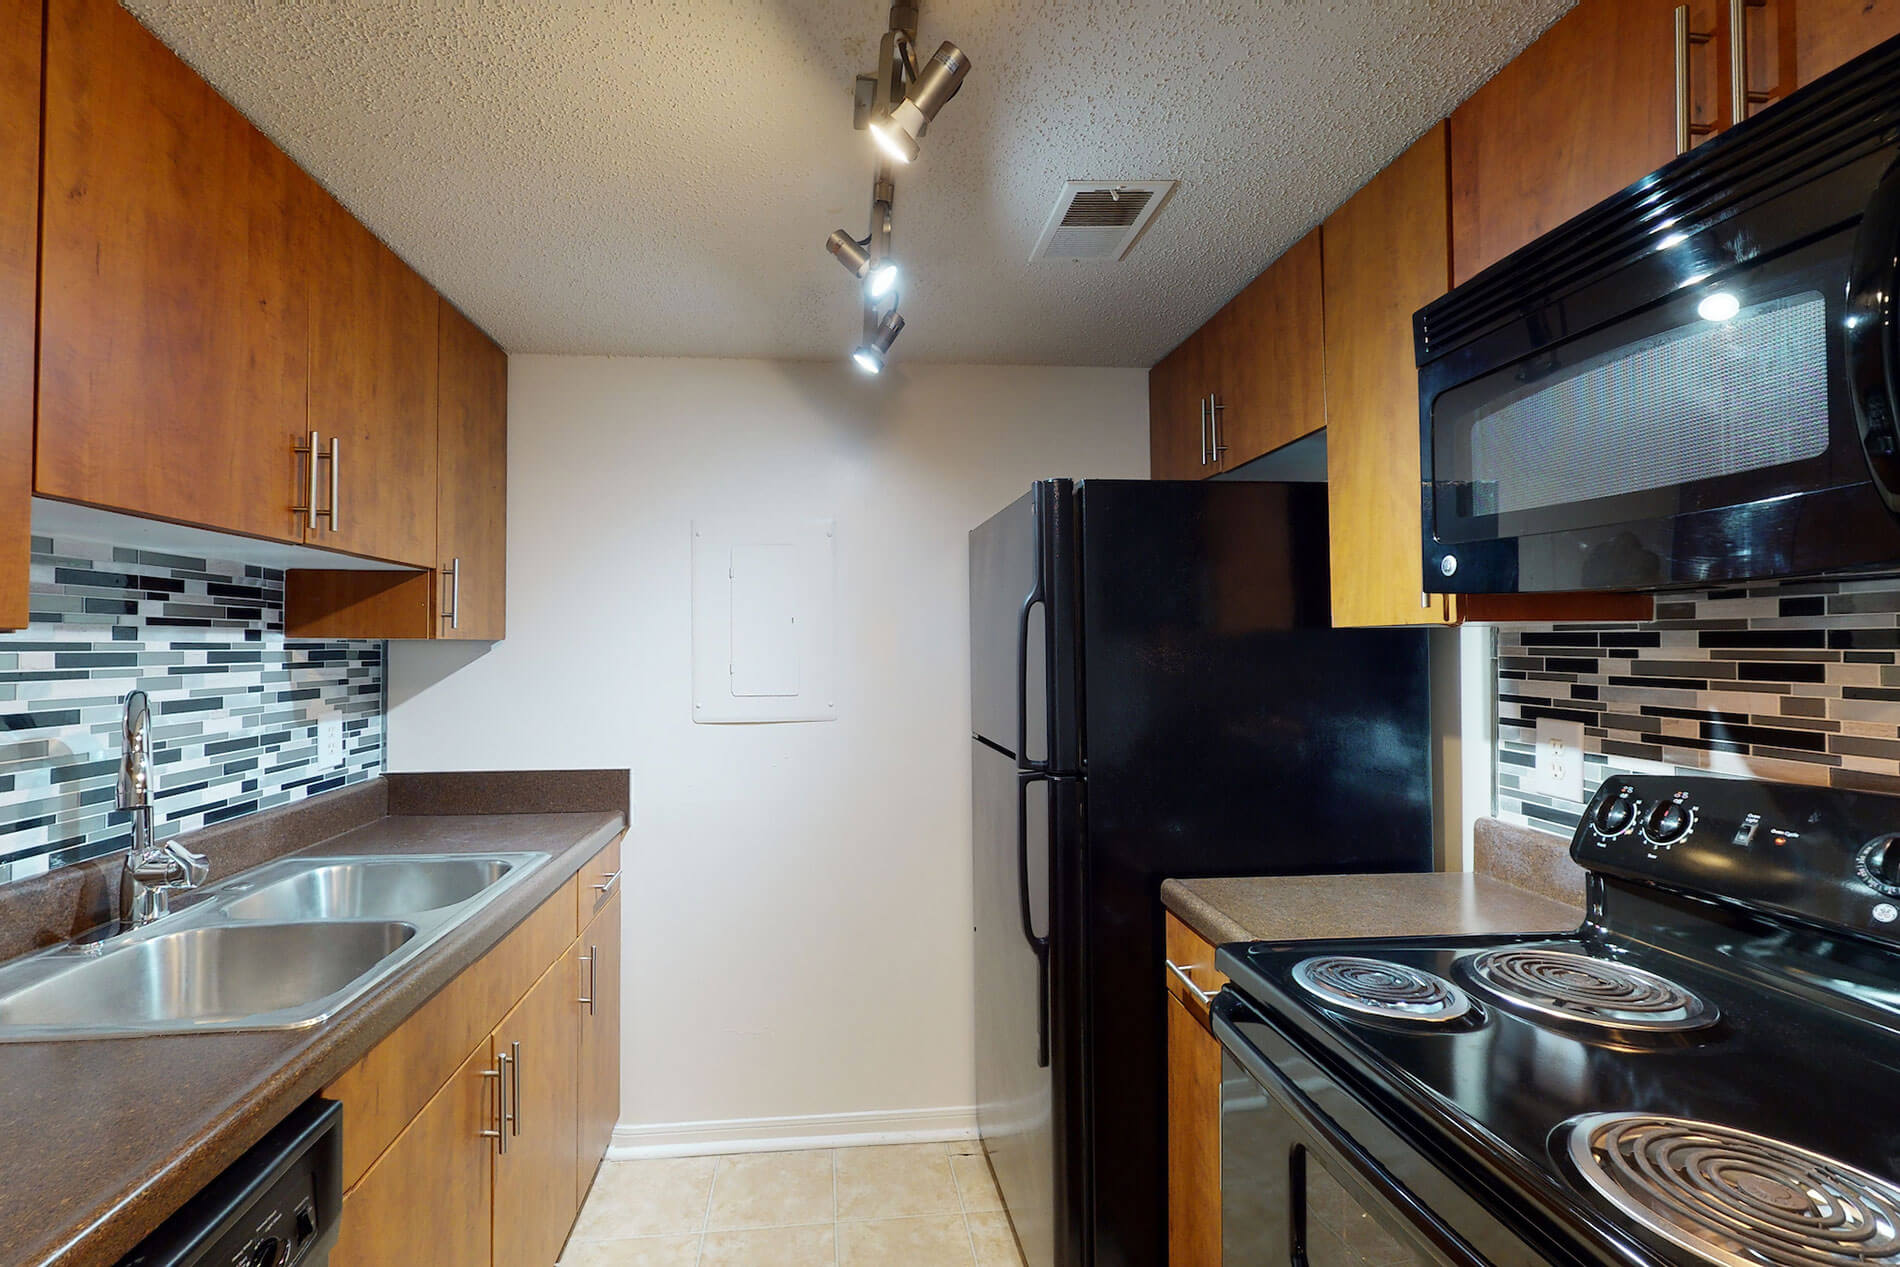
881, 279
1720, 306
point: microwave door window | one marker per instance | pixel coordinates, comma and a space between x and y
1649, 427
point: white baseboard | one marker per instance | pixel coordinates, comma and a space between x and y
781, 1134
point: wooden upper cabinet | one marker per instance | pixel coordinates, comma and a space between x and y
19, 276
472, 481
536, 1192
372, 395
1263, 362
1587, 109
1177, 415
174, 330
600, 1042
1825, 33
1386, 257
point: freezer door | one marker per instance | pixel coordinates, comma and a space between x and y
1007, 618
1013, 1085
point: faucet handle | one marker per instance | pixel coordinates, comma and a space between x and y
196, 865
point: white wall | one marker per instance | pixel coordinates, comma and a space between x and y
797, 896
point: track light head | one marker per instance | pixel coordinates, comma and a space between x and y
897, 132
870, 354
856, 260
881, 280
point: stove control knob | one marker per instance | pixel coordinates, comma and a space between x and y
1879, 865
1616, 817
1669, 822
268, 1252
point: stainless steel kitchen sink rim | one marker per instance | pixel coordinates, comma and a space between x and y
147, 981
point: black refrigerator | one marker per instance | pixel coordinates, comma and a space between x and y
1155, 691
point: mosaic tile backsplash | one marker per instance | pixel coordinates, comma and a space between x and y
235, 706
1796, 683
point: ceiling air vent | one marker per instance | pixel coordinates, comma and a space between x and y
1099, 220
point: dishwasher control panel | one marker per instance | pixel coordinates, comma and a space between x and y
276, 1206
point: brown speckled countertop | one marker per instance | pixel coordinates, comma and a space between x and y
106, 1137
1288, 908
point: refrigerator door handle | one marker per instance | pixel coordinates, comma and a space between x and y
1040, 945
1030, 603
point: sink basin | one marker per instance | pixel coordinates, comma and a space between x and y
222, 972
279, 947
375, 888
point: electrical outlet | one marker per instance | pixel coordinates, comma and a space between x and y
1559, 769
330, 741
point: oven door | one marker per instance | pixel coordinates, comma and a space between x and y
1297, 1189
1681, 417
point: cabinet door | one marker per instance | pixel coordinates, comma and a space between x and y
1826, 34
472, 480
1264, 361
1177, 423
1587, 109
19, 274
173, 325
428, 1198
1194, 1179
372, 393
535, 1188
1386, 257
600, 1042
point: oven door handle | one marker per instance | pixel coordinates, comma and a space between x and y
1871, 340
1447, 1243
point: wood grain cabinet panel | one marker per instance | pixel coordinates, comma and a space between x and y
1177, 418
1826, 34
174, 326
600, 1042
1584, 111
372, 395
472, 485
1386, 256
536, 1192
19, 277
1194, 1177
430, 1198
1264, 364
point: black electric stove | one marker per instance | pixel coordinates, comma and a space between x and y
1707, 1071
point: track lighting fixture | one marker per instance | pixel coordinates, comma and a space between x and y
896, 104
870, 353
879, 278
897, 133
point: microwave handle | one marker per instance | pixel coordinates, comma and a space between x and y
1871, 338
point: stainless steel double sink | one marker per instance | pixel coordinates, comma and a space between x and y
279, 947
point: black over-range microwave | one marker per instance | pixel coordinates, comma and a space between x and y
1695, 381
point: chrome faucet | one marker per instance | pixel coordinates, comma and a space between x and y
152, 871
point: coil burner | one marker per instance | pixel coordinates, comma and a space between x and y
1737, 1199
1375, 987
1577, 988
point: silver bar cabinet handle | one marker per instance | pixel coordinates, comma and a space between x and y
514, 1076
606, 886
500, 1133
1206, 999
454, 574
1203, 431
1686, 126
591, 999
311, 451
1740, 96
336, 483
1214, 408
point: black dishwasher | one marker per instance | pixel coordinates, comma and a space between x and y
276, 1206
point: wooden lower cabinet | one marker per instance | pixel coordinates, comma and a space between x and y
535, 1190
426, 1177
1194, 1074
600, 1041
1194, 1196
428, 1198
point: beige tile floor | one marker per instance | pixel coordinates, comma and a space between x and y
899, 1205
